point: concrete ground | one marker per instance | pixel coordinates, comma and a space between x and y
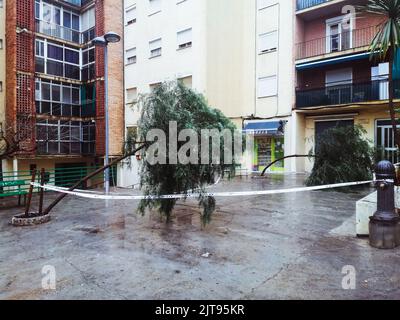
291, 246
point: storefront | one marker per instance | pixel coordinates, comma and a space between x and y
269, 144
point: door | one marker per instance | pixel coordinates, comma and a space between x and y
339, 86
322, 126
338, 35
385, 141
380, 84
263, 152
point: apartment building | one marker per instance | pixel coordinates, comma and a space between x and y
337, 84
55, 82
232, 51
2, 59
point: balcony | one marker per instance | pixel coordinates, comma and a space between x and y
343, 94
305, 4
78, 3
67, 34
340, 42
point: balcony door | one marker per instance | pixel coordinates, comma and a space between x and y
380, 84
338, 34
338, 85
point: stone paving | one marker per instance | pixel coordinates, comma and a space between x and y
290, 246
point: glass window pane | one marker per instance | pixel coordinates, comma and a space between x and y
39, 65
75, 96
57, 16
75, 22
55, 68
66, 95
46, 12
71, 56
46, 91
56, 109
45, 108
56, 93
37, 10
55, 52
67, 19
72, 72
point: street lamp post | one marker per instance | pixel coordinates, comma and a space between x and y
103, 41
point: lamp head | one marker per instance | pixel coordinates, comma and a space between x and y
99, 41
112, 37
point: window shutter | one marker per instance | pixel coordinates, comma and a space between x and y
131, 15
184, 37
267, 87
268, 41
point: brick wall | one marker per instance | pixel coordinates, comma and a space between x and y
99, 52
20, 104
109, 17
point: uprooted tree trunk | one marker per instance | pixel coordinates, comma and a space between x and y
100, 170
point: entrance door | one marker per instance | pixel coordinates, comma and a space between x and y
263, 153
385, 141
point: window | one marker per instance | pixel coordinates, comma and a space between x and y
185, 38
1, 43
130, 15
57, 99
1, 3
267, 86
57, 60
65, 137
131, 56
131, 95
268, 41
1, 86
339, 34
155, 48
155, 6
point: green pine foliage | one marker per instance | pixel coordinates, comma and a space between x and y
172, 101
342, 155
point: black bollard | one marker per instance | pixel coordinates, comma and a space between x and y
384, 225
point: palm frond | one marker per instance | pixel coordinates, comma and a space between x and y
388, 36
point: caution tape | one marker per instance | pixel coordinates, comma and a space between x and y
87, 195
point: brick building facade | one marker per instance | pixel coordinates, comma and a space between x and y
55, 82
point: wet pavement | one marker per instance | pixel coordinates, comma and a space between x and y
291, 246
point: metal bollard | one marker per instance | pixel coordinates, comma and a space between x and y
384, 225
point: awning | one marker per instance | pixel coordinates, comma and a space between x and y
263, 127
326, 62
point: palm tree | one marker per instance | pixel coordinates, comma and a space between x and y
384, 44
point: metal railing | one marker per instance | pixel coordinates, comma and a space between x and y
305, 4
346, 94
351, 39
60, 177
78, 3
67, 34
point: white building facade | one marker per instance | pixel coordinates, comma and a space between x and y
232, 51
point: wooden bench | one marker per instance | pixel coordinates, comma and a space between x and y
16, 191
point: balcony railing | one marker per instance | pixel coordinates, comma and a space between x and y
67, 34
351, 39
305, 4
78, 3
346, 94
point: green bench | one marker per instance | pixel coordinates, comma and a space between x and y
16, 191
